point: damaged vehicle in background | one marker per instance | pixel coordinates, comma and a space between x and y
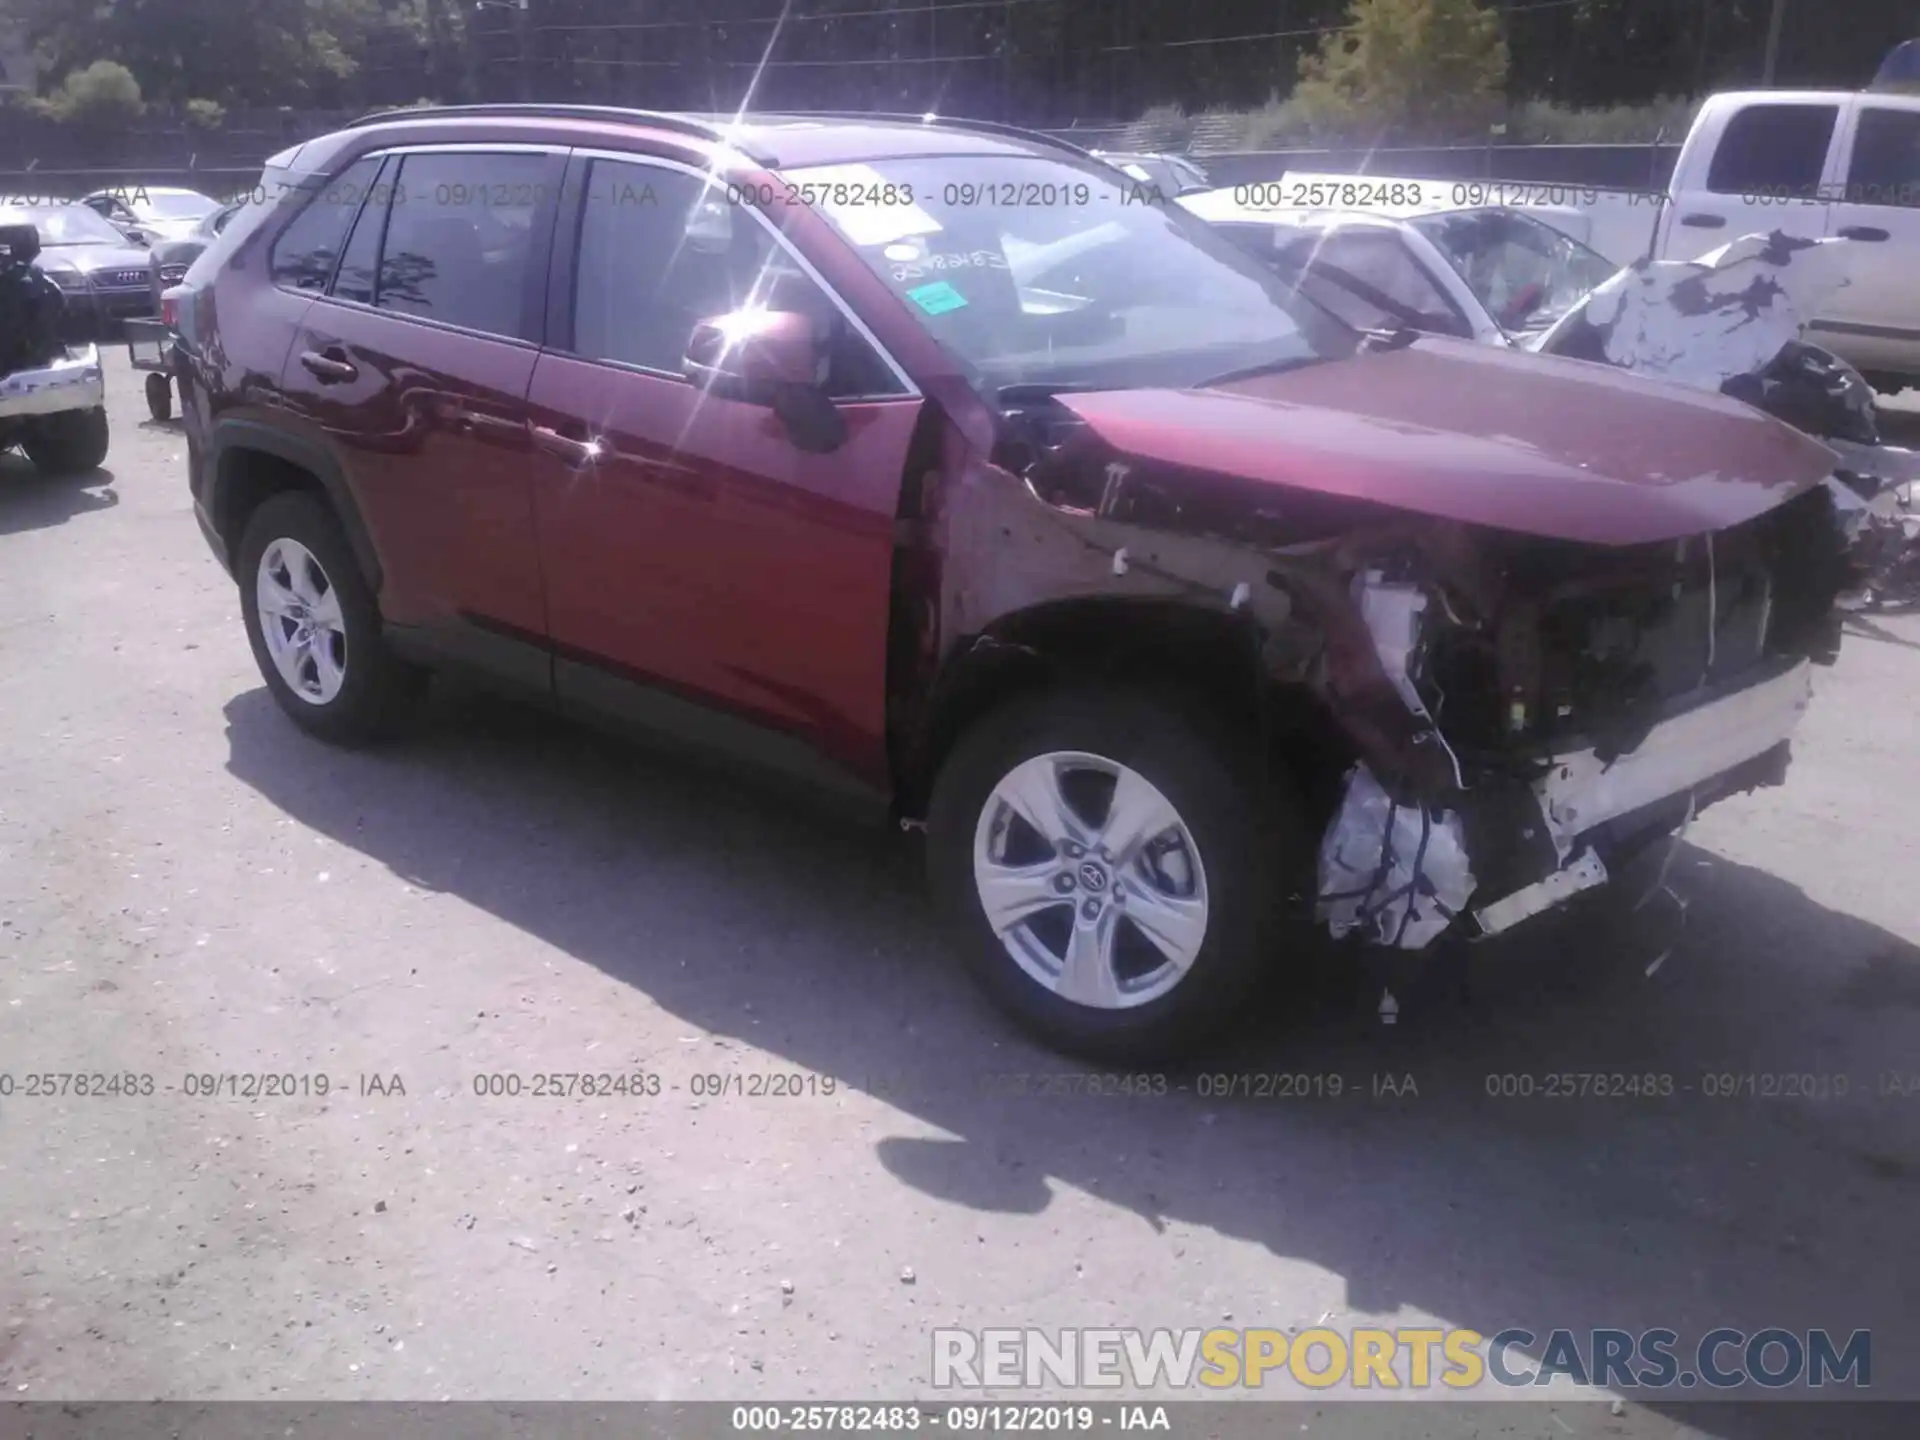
1174, 610
1733, 320
1477, 272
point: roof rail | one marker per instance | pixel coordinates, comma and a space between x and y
991, 127
707, 129
660, 119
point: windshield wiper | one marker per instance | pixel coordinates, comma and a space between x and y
1378, 342
1028, 392
1249, 372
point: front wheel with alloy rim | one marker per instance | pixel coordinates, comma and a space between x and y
315, 628
1111, 871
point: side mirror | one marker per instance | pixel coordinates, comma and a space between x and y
773, 358
138, 236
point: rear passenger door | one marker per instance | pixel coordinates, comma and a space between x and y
413, 364
1875, 321
693, 552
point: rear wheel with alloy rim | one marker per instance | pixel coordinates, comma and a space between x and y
315, 628
300, 621
1110, 870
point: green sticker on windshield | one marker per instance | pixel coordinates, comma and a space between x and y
937, 298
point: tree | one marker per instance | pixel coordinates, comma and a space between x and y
1425, 70
103, 93
266, 53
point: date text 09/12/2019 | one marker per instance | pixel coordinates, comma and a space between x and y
197, 1084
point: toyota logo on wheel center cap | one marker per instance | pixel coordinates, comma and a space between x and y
1093, 876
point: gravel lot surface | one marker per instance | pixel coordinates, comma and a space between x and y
189, 887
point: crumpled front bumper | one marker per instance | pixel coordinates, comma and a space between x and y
1400, 875
1583, 792
73, 382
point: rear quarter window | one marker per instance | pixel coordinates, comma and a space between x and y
304, 254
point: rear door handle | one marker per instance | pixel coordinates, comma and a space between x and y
328, 368
574, 452
1701, 221
1865, 232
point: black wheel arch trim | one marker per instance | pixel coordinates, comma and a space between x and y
230, 435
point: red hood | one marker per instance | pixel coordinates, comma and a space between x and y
1484, 435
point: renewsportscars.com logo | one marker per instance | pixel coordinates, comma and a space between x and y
1406, 1358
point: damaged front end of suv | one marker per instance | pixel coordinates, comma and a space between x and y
1511, 618
1587, 703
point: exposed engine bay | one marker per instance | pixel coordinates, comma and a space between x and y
1513, 709
1607, 696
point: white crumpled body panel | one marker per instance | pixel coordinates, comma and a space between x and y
1702, 322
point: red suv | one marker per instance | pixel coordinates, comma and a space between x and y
961, 470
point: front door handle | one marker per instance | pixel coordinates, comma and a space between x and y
1701, 221
328, 368
574, 452
1864, 232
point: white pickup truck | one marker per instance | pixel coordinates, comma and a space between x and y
1811, 163
1815, 163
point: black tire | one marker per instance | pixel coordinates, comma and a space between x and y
159, 396
71, 442
379, 692
1249, 852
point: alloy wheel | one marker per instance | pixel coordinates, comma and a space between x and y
301, 622
1091, 880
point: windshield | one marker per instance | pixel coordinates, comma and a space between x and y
72, 225
1042, 271
173, 204
1525, 272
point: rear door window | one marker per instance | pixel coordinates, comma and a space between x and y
459, 239
1773, 152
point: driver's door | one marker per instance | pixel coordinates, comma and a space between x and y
692, 552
